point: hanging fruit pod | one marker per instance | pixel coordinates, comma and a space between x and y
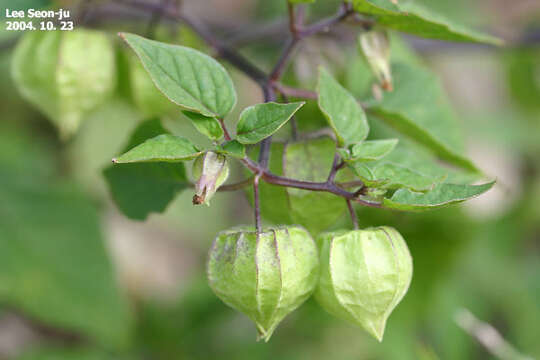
265, 276
364, 275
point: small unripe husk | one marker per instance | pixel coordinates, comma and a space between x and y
265, 276
375, 46
211, 171
364, 275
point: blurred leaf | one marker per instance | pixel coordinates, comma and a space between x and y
274, 199
65, 74
208, 126
419, 109
21, 151
162, 148
182, 329
426, 353
65, 354
414, 18
370, 150
343, 112
309, 160
312, 161
186, 76
442, 195
522, 69
93, 148
232, 148
53, 262
422, 161
147, 98
310, 119
25, 4
417, 157
260, 121
141, 188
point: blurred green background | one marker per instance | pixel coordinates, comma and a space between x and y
78, 280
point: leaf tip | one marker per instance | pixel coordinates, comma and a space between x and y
299, 104
114, 160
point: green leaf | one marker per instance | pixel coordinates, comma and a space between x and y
442, 195
365, 173
419, 158
139, 189
371, 150
232, 148
414, 18
162, 148
274, 199
187, 77
54, 264
208, 126
396, 176
260, 121
301, 1
65, 74
392, 175
419, 109
343, 112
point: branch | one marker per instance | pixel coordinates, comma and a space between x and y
226, 134
344, 11
236, 186
352, 212
295, 37
298, 33
257, 203
283, 61
336, 165
49, 332
267, 84
264, 152
488, 336
294, 92
222, 51
261, 171
349, 184
327, 186
303, 93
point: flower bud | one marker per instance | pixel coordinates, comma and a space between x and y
364, 275
265, 276
211, 171
375, 46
